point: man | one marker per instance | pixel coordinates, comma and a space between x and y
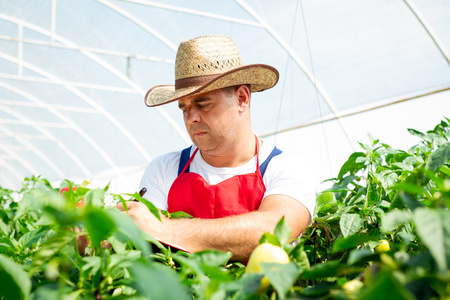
234, 185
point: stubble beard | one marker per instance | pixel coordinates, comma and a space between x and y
210, 144
205, 142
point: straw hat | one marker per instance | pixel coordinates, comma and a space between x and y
209, 63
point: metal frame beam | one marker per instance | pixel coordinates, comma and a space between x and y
11, 170
359, 110
50, 137
67, 121
317, 85
114, 71
422, 20
35, 150
195, 12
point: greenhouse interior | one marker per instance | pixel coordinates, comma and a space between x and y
74, 75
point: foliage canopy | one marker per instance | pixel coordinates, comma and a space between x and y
380, 194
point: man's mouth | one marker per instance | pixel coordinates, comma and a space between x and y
199, 133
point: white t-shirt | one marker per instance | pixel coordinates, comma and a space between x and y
283, 176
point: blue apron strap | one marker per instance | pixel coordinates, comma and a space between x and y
184, 158
263, 166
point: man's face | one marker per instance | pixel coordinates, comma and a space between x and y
211, 119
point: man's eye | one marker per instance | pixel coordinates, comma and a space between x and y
202, 105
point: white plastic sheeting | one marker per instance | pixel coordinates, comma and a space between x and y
73, 75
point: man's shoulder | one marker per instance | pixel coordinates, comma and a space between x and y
165, 163
286, 163
166, 157
277, 154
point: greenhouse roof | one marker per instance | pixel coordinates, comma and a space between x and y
73, 75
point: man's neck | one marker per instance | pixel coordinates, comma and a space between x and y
235, 155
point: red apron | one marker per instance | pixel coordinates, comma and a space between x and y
237, 195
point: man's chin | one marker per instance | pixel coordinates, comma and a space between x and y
204, 147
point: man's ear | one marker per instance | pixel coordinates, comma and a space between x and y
243, 96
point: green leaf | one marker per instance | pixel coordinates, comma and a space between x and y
99, 224
92, 265
95, 197
438, 158
318, 289
121, 200
118, 246
328, 269
283, 231
52, 292
395, 218
29, 201
8, 245
300, 257
342, 184
372, 140
371, 195
433, 228
410, 202
444, 169
5, 228
325, 203
409, 188
176, 215
353, 241
417, 133
245, 286
211, 258
403, 166
156, 245
61, 217
31, 237
366, 147
281, 276
150, 206
269, 238
385, 286
127, 228
191, 265
386, 178
359, 254
123, 260
49, 249
351, 165
362, 160
157, 283
15, 283
350, 224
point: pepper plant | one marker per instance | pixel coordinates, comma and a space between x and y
382, 193
381, 230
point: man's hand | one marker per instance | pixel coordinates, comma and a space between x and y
144, 219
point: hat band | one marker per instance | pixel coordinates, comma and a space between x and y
193, 81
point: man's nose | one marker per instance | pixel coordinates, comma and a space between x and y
192, 115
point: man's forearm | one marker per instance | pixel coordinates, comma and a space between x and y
237, 234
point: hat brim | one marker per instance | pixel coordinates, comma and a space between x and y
259, 76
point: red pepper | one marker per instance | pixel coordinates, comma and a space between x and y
66, 189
